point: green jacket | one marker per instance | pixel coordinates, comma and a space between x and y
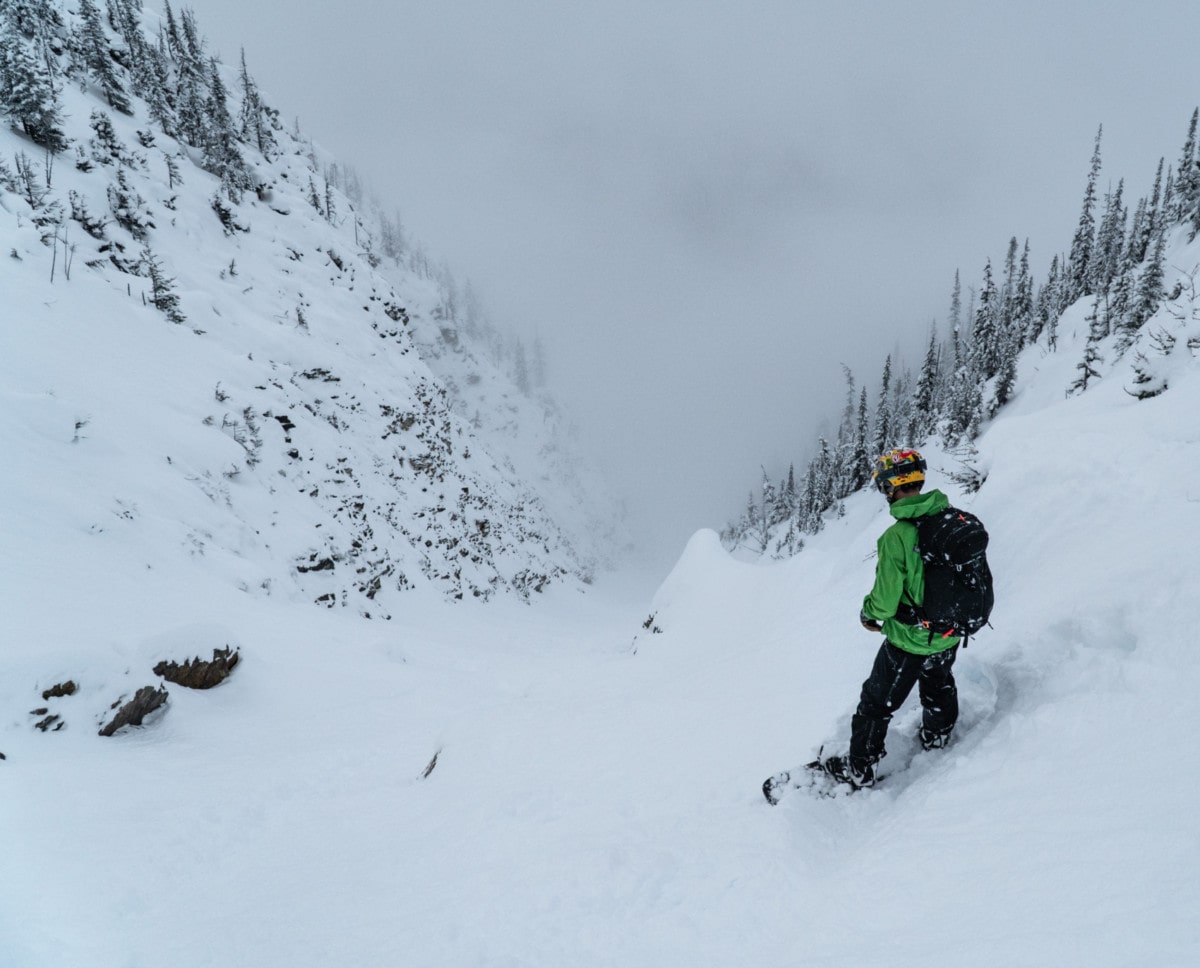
900, 576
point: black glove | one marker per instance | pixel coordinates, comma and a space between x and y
869, 623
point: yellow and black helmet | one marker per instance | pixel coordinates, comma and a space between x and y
898, 468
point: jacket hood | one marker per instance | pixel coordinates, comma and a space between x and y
919, 505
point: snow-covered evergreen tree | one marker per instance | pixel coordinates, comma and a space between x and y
1079, 262
884, 427
1186, 206
221, 154
30, 98
256, 120
1089, 366
927, 397
1110, 239
985, 333
163, 296
91, 42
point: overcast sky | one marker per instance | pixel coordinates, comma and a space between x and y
705, 208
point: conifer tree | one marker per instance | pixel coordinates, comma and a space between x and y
1149, 293
92, 44
221, 155
884, 427
1079, 262
860, 459
985, 334
29, 184
1121, 304
174, 175
255, 117
1135, 243
1186, 206
1006, 375
128, 207
162, 287
33, 19
156, 85
1054, 301
106, 147
902, 405
192, 42
330, 209
125, 18
955, 317
808, 500
768, 507
1110, 239
313, 198
1008, 291
1157, 208
173, 37
1023, 309
191, 93
964, 404
824, 495
29, 98
925, 399
1088, 367
845, 457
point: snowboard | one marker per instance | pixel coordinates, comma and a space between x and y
811, 778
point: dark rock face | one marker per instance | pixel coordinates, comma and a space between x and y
197, 673
145, 701
61, 689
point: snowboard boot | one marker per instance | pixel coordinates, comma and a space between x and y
843, 769
933, 741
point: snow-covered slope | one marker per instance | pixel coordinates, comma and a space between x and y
595, 794
275, 411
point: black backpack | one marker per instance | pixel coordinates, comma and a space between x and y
958, 583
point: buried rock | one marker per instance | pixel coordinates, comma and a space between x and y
145, 701
197, 673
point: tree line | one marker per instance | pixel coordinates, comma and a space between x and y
969, 370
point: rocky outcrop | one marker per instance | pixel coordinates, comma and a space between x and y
133, 713
198, 673
67, 688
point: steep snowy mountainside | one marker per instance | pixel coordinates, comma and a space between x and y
244, 358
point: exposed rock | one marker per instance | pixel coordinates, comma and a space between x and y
145, 701
197, 673
61, 689
45, 724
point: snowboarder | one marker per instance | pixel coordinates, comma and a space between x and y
909, 655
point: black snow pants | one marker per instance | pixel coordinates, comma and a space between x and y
892, 677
